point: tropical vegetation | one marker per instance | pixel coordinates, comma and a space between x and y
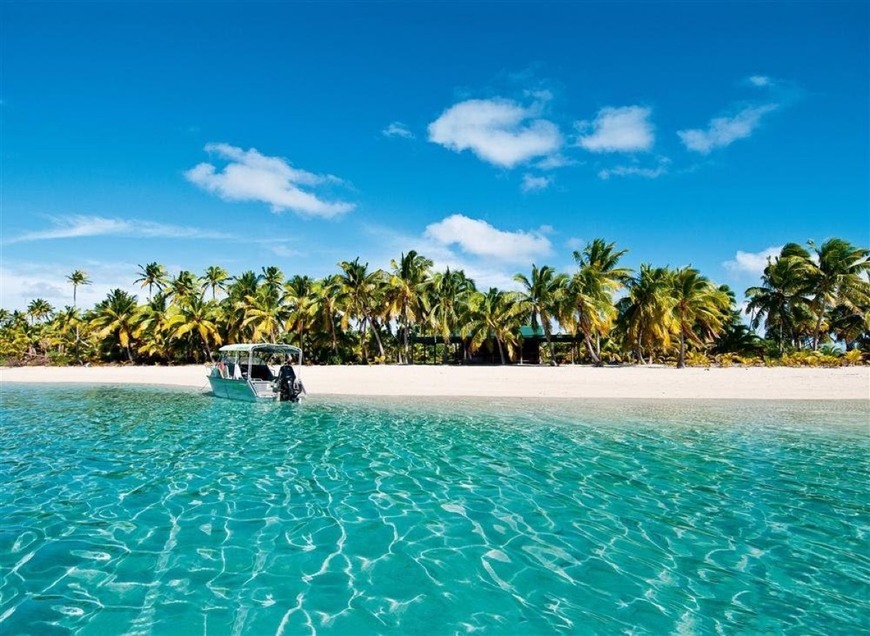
810, 307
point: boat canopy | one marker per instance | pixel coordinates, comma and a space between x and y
261, 347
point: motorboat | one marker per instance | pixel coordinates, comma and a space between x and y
258, 372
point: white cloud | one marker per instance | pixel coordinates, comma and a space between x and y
752, 262
636, 171
397, 129
20, 283
251, 176
723, 131
532, 183
554, 161
83, 226
625, 129
759, 80
499, 131
479, 238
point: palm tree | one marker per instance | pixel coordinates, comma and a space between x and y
78, 277
234, 306
273, 280
216, 278
848, 324
699, 307
328, 295
265, 312
299, 296
151, 327
445, 299
116, 316
590, 292
498, 315
407, 279
183, 287
39, 309
781, 299
195, 320
645, 314
838, 275
152, 275
360, 287
542, 293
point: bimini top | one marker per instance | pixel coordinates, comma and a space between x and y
261, 346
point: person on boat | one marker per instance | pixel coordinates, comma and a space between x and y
288, 389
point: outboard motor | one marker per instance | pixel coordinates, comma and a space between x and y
289, 388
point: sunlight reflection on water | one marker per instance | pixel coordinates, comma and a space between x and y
134, 509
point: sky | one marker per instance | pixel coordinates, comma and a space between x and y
487, 136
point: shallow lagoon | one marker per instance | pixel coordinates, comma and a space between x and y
141, 509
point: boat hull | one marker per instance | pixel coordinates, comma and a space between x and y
236, 389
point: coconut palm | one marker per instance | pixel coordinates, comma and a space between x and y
273, 280
699, 307
183, 287
498, 315
299, 296
194, 321
78, 277
265, 313
360, 289
116, 316
445, 299
645, 317
216, 278
541, 295
151, 327
152, 275
849, 324
782, 298
590, 292
838, 275
328, 296
407, 279
39, 310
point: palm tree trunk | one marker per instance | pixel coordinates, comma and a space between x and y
818, 328
500, 350
374, 327
406, 356
596, 359
681, 362
550, 346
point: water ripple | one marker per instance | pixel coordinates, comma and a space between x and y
147, 511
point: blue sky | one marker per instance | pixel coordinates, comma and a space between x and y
486, 136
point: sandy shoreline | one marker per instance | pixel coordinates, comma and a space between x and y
733, 383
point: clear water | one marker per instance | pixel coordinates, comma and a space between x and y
162, 511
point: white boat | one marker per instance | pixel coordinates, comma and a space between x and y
257, 372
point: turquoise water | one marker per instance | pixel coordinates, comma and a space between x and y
165, 511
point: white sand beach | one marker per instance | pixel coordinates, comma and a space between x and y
628, 382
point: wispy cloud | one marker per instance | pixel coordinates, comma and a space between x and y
759, 80
397, 129
634, 170
479, 238
723, 131
752, 262
532, 183
22, 282
625, 129
498, 131
83, 226
251, 176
